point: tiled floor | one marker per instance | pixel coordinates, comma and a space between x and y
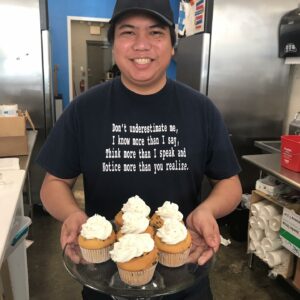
231, 279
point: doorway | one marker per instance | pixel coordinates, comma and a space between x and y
99, 62
89, 53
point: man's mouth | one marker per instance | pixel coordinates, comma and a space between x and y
142, 61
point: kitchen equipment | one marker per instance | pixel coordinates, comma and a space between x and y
294, 127
25, 69
228, 62
289, 34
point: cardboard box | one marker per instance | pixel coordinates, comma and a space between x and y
269, 186
13, 146
290, 231
13, 137
12, 126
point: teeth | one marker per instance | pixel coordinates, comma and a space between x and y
142, 61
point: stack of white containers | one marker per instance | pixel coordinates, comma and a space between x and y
264, 240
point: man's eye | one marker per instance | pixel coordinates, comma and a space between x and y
156, 33
127, 33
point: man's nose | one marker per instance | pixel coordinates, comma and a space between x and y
142, 42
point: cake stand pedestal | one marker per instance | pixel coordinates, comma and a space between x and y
105, 278
122, 298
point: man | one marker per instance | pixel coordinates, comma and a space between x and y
142, 134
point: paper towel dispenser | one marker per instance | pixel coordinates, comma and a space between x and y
289, 34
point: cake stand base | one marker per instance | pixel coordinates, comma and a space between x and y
122, 298
105, 278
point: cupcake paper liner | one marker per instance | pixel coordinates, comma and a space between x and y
96, 255
173, 259
137, 278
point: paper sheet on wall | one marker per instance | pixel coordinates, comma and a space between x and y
191, 17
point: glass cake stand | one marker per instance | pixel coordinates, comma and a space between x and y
104, 278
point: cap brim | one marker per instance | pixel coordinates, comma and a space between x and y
155, 14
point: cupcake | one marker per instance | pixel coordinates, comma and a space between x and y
136, 258
96, 239
134, 223
173, 241
168, 210
133, 204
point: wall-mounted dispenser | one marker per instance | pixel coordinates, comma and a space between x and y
289, 34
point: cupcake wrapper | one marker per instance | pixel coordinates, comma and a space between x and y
96, 255
137, 278
173, 259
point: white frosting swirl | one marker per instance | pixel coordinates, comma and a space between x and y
136, 204
169, 210
96, 227
134, 223
130, 246
172, 232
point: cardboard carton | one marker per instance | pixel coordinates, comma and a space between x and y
13, 146
13, 136
12, 126
290, 231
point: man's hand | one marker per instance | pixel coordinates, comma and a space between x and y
69, 233
205, 235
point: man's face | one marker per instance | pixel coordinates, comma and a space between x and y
142, 50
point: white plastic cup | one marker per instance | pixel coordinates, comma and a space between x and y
262, 223
271, 234
253, 245
275, 258
256, 234
269, 211
271, 245
260, 252
256, 207
253, 222
275, 223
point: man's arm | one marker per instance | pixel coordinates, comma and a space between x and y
57, 197
223, 199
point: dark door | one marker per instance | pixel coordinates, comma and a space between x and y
99, 61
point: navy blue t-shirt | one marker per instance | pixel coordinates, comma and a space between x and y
156, 146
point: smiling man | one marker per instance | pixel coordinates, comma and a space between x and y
142, 134
142, 49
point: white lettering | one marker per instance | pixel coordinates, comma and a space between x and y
116, 128
129, 154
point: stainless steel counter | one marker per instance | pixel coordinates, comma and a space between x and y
14, 257
269, 146
24, 162
271, 164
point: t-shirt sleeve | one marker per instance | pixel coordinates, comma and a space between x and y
221, 160
60, 154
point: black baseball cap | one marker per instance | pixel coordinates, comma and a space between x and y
161, 9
